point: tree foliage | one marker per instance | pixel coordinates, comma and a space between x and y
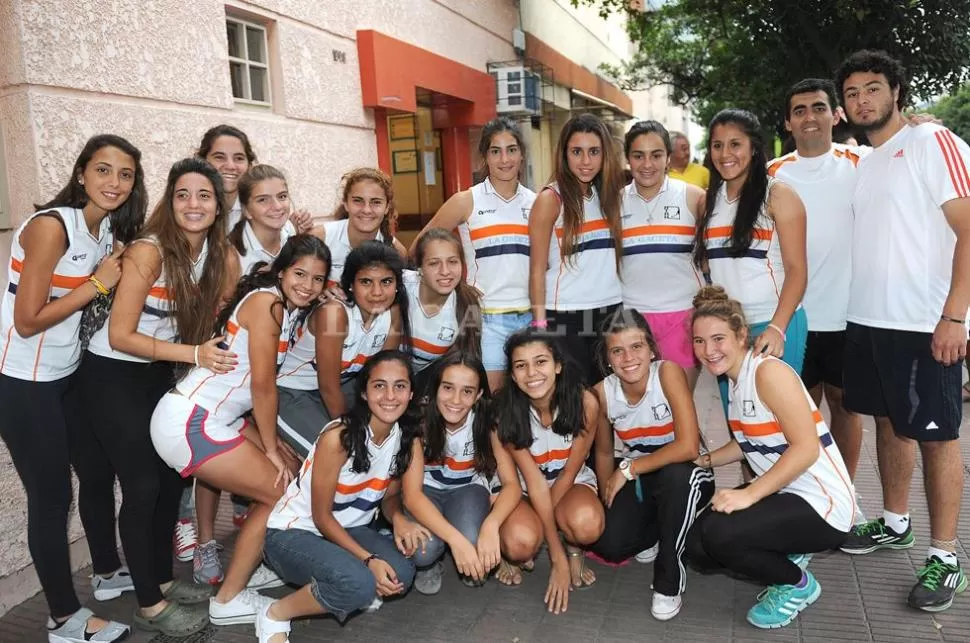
954, 111
721, 53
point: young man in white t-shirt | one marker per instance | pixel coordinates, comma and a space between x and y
823, 174
906, 335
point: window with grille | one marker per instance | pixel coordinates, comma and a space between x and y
248, 61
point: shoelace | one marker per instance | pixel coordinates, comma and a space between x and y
932, 573
870, 527
209, 554
773, 595
184, 531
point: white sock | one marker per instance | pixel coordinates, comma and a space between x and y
948, 557
897, 522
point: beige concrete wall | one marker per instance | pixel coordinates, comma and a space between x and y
157, 73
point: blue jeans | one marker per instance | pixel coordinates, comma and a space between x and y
339, 581
465, 508
496, 329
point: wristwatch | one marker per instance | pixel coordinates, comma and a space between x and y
626, 469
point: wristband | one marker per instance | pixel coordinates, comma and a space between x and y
539, 323
962, 322
102, 289
367, 560
196, 356
780, 331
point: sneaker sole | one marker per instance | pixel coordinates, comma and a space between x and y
869, 550
185, 557
245, 619
269, 585
774, 626
208, 581
666, 616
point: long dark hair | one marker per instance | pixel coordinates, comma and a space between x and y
126, 221
497, 126
753, 192
209, 139
376, 253
357, 419
567, 404
295, 248
247, 182
623, 319
468, 308
352, 178
191, 297
608, 183
434, 423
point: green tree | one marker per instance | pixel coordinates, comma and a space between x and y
954, 111
721, 53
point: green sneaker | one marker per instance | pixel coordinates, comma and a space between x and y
778, 605
938, 583
873, 535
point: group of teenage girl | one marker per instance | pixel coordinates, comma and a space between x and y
530, 384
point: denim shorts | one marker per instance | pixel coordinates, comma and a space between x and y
496, 329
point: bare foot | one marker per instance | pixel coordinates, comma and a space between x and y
580, 575
508, 574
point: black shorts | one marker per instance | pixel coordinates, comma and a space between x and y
824, 358
892, 373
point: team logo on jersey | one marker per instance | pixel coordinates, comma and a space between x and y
379, 340
568, 439
626, 215
672, 212
80, 257
488, 211
661, 412
469, 449
747, 408
621, 416
446, 334
526, 212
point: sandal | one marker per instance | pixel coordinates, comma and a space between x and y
185, 593
586, 576
508, 575
175, 620
267, 628
75, 630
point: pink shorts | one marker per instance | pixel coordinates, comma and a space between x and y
674, 338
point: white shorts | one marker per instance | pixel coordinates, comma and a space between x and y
186, 436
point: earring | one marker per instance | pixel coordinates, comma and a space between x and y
81, 181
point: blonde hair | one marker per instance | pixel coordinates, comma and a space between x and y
713, 301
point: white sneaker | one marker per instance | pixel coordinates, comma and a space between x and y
665, 607
648, 555
264, 578
185, 540
267, 628
375, 605
241, 610
110, 587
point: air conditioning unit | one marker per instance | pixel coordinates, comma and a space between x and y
518, 90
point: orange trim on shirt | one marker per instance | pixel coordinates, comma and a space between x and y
588, 226
659, 229
428, 347
560, 454
454, 465
57, 281
726, 230
777, 165
645, 431
496, 230
160, 292
377, 484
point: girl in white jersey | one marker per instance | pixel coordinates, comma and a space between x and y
444, 309
647, 404
323, 527
576, 240
176, 268
199, 427
446, 488
801, 499
547, 416
317, 379
53, 274
752, 238
659, 215
492, 219
366, 213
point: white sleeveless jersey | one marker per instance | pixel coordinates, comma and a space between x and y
658, 238
551, 451
357, 497
457, 466
645, 426
431, 335
228, 395
754, 279
235, 214
587, 278
255, 251
157, 318
825, 485
299, 369
338, 241
361, 342
495, 240
55, 352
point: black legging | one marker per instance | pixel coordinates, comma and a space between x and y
39, 424
580, 333
119, 398
754, 543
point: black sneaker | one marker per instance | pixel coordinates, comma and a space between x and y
938, 583
873, 535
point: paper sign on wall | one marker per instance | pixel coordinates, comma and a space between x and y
429, 168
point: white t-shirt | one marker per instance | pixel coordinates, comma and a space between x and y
902, 246
825, 185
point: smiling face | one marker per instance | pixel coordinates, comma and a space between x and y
374, 288
629, 354
458, 392
584, 156
811, 119
718, 347
228, 156
366, 206
388, 392
534, 370
108, 178
304, 281
648, 160
269, 204
194, 203
680, 154
731, 151
441, 266
504, 158
869, 100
